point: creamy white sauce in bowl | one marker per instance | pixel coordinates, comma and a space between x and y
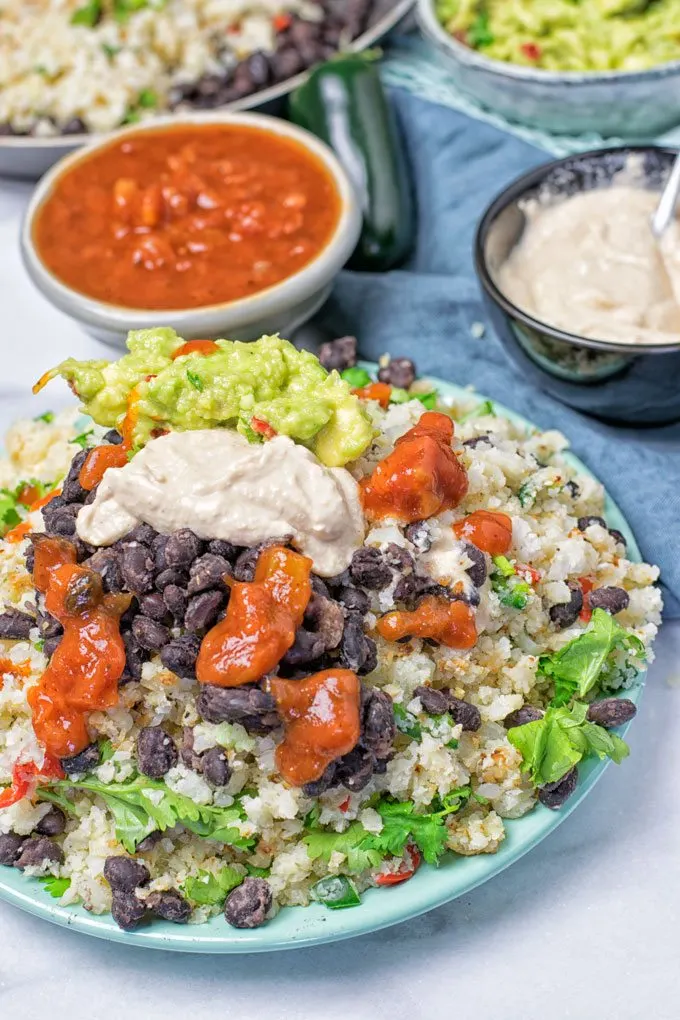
589, 265
223, 487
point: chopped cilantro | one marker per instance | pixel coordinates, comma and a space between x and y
356, 377
40, 644
122, 9
106, 751
46, 416
479, 33
195, 380
147, 99
551, 746
208, 889
481, 411
88, 15
576, 668
56, 887
407, 723
110, 51
511, 590
258, 872
83, 439
428, 400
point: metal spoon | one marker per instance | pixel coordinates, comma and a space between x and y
665, 210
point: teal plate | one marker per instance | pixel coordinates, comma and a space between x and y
298, 927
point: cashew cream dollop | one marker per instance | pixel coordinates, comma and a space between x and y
221, 486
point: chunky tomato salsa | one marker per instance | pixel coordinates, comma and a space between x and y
187, 216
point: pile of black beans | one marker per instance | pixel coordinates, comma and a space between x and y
37, 850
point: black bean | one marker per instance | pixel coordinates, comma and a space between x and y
325, 782
72, 491
48, 626
378, 726
319, 587
113, 437
187, 755
476, 440
465, 714
83, 762
399, 372
418, 534
124, 874
478, 570
154, 606
150, 634
355, 769
307, 647
180, 655
60, 517
247, 905
182, 548
573, 489
170, 905
84, 592
286, 63
149, 842
142, 533
50, 645
137, 568
522, 716
15, 625
202, 610
357, 651
158, 548
369, 569
38, 852
585, 522
398, 558
326, 618
565, 613
611, 712
250, 706
52, 823
353, 599
244, 567
106, 562
175, 600
339, 354
74, 126
258, 68
553, 795
613, 600
135, 657
156, 752
618, 537
10, 848
166, 577
225, 549
126, 910
216, 768
433, 701
208, 571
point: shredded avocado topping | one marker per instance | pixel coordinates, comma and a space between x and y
568, 35
267, 381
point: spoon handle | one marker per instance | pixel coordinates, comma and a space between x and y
665, 210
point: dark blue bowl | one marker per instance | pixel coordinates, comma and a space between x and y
621, 383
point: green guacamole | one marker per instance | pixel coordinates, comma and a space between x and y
568, 35
268, 380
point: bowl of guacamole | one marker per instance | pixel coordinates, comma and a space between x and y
610, 67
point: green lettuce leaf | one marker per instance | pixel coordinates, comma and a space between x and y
551, 746
577, 667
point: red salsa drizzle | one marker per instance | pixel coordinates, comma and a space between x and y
420, 478
449, 623
489, 530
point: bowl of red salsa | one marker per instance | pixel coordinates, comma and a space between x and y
227, 224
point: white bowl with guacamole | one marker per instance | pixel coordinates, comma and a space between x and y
610, 67
283, 306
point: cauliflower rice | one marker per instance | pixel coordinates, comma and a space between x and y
523, 474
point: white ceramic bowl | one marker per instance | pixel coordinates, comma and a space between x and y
281, 308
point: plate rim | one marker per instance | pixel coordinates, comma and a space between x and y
425, 892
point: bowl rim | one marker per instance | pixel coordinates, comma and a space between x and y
311, 277
516, 190
432, 27
370, 37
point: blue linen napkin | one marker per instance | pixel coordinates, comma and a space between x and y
426, 310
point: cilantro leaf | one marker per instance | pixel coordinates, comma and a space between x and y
83, 439
208, 889
46, 416
511, 590
195, 380
140, 806
551, 746
481, 411
428, 400
56, 887
88, 15
479, 33
576, 668
407, 723
106, 751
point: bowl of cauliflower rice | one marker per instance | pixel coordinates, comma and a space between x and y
294, 648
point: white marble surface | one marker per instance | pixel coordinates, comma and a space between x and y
585, 927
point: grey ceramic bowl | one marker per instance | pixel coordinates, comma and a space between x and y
278, 309
630, 384
612, 104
